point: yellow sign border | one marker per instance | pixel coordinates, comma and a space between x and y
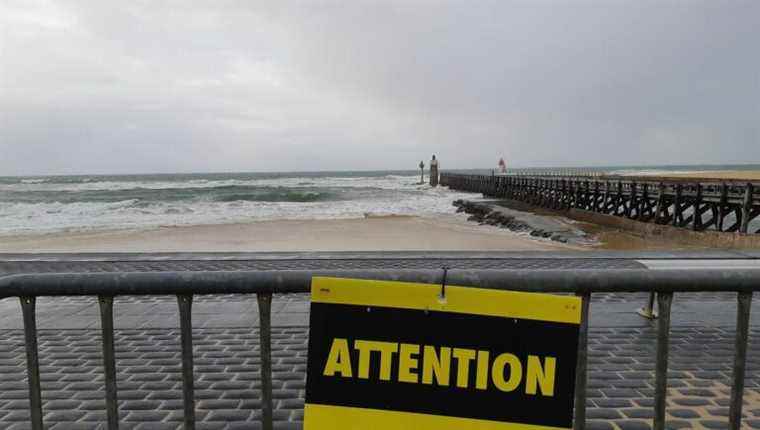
350, 418
466, 300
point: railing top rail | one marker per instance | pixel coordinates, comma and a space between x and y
299, 281
169, 257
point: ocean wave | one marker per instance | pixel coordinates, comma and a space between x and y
32, 218
389, 182
276, 196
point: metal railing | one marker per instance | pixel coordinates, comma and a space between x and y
265, 283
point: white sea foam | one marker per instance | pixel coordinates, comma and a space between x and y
388, 182
45, 217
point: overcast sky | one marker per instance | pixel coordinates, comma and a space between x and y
149, 86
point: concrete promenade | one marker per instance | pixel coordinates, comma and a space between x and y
621, 344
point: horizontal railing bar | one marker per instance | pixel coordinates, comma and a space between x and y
299, 281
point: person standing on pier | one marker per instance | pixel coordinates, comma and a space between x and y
502, 166
433, 172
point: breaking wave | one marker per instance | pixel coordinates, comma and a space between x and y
35, 205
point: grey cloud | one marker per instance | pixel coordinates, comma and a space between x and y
237, 85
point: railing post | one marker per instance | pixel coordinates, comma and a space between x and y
744, 303
109, 360
581, 367
32, 360
265, 352
664, 300
185, 302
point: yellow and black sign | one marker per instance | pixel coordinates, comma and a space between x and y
392, 355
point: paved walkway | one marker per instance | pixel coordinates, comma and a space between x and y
621, 357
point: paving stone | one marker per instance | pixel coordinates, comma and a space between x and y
20, 426
133, 394
146, 416
677, 424
602, 413
61, 404
599, 425
218, 404
17, 404
99, 416
691, 401
164, 395
157, 426
17, 416
64, 415
227, 415
75, 426
638, 413
713, 424
683, 413
140, 405
633, 425
288, 426
245, 426
625, 393
210, 425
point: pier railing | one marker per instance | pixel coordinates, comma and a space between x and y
726, 206
184, 285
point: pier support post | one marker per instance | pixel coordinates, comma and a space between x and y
746, 208
696, 223
658, 218
677, 214
722, 206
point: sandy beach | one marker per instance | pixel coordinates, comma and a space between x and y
750, 175
742, 175
370, 234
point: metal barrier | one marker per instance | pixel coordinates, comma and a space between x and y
265, 283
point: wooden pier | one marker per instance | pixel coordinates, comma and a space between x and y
696, 204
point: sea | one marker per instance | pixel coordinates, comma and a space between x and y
48, 204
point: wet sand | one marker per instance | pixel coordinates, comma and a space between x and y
609, 238
371, 234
